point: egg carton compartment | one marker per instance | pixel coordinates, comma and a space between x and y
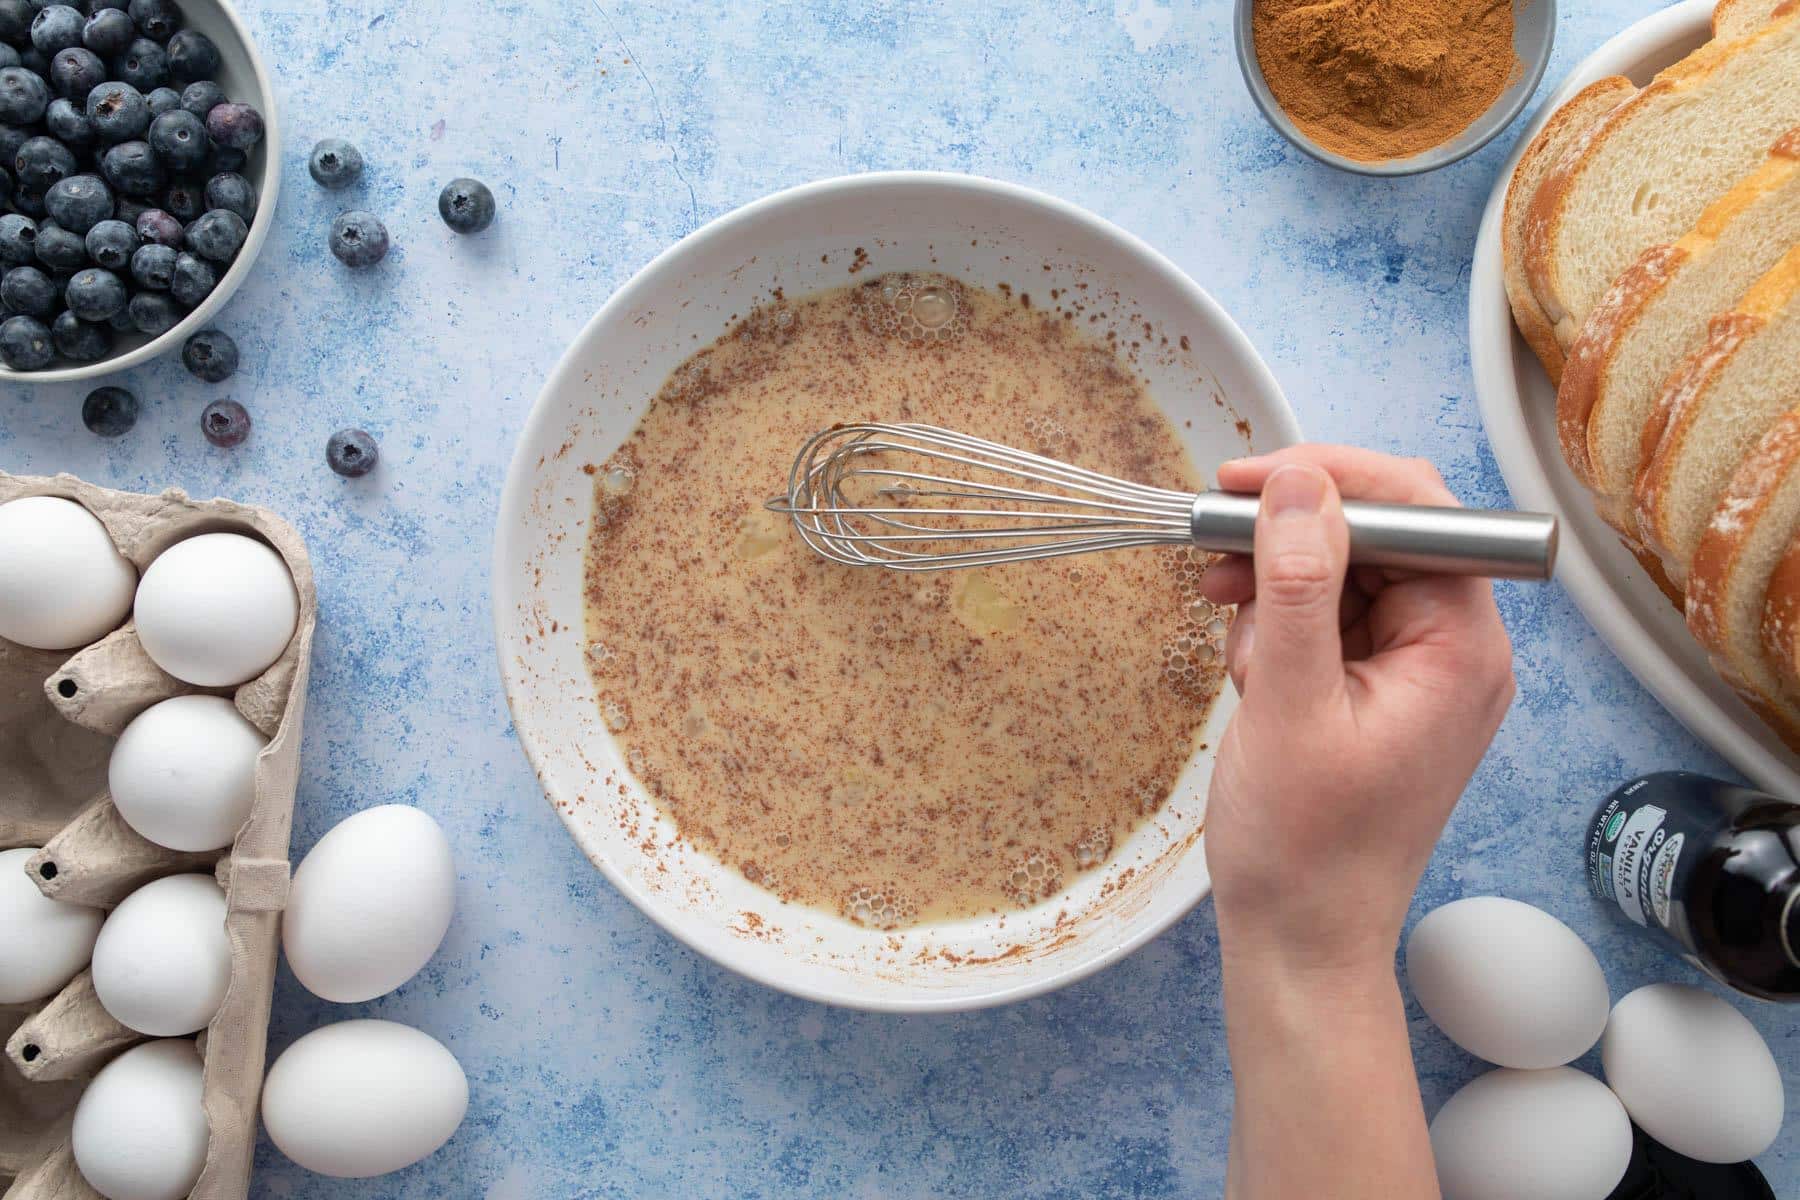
60, 712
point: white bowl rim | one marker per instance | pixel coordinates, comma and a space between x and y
267, 190
1279, 423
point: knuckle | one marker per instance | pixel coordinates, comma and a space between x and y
1297, 579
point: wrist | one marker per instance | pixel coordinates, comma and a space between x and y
1339, 949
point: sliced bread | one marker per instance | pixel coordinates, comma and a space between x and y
1781, 619
1567, 132
1655, 164
1738, 552
1715, 407
1655, 315
1735, 18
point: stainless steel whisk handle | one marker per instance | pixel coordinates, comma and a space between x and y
1433, 541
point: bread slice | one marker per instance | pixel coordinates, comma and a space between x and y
1655, 164
1716, 406
1781, 619
1568, 131
1655, 315
1735, 18
1738, 552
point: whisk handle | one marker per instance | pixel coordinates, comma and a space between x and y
1434, 541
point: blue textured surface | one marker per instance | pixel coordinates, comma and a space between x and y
605, 1059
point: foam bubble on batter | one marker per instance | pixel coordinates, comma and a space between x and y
879, 907
919, 308
1093, 847
1032, 879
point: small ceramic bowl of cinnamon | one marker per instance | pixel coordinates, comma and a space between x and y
1392, 87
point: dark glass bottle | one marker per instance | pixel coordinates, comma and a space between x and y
1710, 866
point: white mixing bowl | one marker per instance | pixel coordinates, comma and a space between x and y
1202, 371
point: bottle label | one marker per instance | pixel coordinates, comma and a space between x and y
1640, 837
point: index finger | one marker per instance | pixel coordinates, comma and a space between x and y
1360, 474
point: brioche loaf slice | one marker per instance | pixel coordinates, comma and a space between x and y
1737, 555
1735, 18
1655, 315
1716, 406
1655, 164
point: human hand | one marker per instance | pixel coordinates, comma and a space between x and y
1369, 698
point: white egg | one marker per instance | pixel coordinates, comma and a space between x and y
1507, 982
62, 581
43, 943
363, 1098
217, 609
369, 904
183, 773
140, 1130
163, 960
1553, 1134
1693, 1073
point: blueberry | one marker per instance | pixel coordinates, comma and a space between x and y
56, 27
186, 199
217, 235
359, 239
132, 168
143, 64
155, 225
109, 411
192, 56
224, 158
11, 138
179, 140
202, 97
237, 126
210, 355
162, 100
193, 280
59, 249
118, 112
94, 294
23, 96
9, 57
229, 190
75, 72
28, 290
25, 343
466, 205
35, 61
29, 202
41, 161
18, 240
108, 32
79, 202
76, 339
335, 163
224, 422
15, 19
128, 210
68, 124
352, 453
159, 19
153, 267
153, 313
110, 243
94, 6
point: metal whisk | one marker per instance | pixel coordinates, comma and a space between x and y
920, 498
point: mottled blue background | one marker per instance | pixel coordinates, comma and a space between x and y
605, 1059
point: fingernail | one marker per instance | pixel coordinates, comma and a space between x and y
1294, 490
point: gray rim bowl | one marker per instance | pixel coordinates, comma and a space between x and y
1534, 31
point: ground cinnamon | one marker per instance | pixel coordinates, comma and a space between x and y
1378, 79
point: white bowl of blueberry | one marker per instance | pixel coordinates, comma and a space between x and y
139, 163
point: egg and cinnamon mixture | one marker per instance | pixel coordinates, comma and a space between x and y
894, 747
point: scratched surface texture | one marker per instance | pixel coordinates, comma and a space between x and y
604, 1059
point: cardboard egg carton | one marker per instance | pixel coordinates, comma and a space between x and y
59, 714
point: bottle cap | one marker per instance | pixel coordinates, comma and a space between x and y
1658, 1173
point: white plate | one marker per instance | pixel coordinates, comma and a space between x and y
1202, 371
1518, 407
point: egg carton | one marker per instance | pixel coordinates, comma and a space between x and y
59, 714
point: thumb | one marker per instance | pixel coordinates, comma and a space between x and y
1302, 547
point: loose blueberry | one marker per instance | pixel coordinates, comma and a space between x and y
229, 190
153, 267
352, 453
466, 205
108, 32
157, 226
110, 243
162, 100
179, 140
153, 313
18, 240
335, 163
109, 411
79, 341
15, 19
75, 72
23, 96
210, 355
25, 343
28, 290
59, 249
192, 56
202, 97
56, 27
144, 65
217, 235
237, 126
132, 168
41, 161
94, 294
359, 239
79, 202
118, 112
68, 124
225, 423
193, 280
186, 199
159, 19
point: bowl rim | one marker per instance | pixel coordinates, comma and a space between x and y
515, 504
268, 191
1497, 116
